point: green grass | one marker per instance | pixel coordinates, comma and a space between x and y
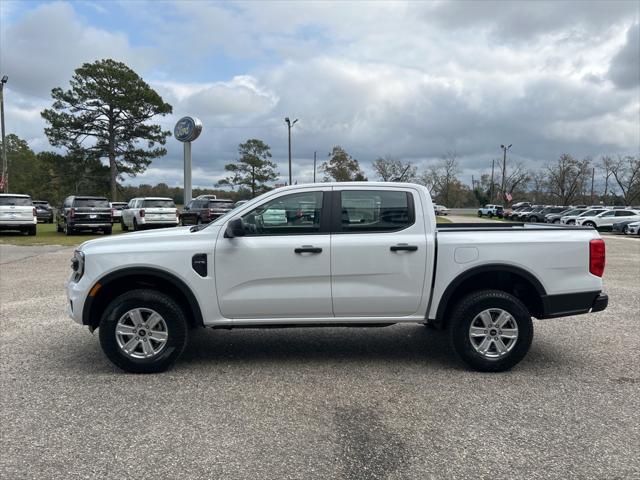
47, 235
442, 220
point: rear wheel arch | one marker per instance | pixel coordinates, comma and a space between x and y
116, 283
508, 278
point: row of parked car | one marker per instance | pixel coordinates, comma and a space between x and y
619, 219
96, 214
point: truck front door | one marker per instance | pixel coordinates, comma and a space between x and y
281, 267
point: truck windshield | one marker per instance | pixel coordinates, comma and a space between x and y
159, 204
17, 201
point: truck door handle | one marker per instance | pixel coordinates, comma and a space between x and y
404, 247
308, 249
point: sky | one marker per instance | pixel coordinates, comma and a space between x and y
413, 80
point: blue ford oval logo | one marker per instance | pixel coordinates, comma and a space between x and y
187, 129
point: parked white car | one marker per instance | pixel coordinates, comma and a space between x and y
491, 211
633, 228
441, 210
146, 212
371, 253
116, 211
18, 213
572, 219
608, 218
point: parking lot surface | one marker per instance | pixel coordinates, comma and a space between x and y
316, 403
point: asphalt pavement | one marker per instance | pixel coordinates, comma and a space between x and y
314, 403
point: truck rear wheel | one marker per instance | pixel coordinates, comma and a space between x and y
491, 330
143, 331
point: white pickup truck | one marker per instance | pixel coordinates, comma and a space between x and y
363, 254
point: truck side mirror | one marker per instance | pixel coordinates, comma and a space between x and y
235, 228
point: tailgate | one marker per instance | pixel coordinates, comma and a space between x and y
92, 215
15, 212
157, 213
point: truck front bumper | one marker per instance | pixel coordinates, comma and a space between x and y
76, 293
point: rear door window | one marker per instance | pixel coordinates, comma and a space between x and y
364, 211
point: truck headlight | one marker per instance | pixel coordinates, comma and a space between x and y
77, 265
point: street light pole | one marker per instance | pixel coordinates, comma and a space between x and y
289, 125
314, 167
5, 169
504, 167
493, 161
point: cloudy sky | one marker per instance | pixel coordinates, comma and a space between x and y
408, 79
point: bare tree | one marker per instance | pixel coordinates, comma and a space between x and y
440, 178
606, 167
516, 180
567, 178
390, 169
626, 171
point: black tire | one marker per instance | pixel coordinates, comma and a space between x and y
172, 314
589, 224
107, 231
135, 225
479, 214
123, 226
557, 220
466, 311
32, 231
68, 230
533, 219
625, 230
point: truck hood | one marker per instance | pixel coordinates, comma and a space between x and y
149, 237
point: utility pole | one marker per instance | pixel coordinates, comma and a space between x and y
593, 174
289, 125
493, 161
5, 168
473, 183
314, 167
504, 168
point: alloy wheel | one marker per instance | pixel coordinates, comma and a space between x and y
493, 333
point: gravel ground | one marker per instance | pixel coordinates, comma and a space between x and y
372, 403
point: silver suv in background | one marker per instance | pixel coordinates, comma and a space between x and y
17, 213
146, 212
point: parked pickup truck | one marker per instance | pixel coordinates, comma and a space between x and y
370, 254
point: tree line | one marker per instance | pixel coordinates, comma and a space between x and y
101, 127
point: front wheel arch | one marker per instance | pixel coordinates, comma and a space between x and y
121, 281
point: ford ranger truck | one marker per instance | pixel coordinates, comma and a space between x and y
356, 254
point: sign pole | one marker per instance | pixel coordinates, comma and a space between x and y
187, 172
186, 131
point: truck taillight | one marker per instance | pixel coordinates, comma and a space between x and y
142, 213
72, 212
596, 257
35, 214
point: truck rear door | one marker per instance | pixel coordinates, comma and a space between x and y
378, 251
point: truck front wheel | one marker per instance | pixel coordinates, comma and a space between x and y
491, 330
143, 331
